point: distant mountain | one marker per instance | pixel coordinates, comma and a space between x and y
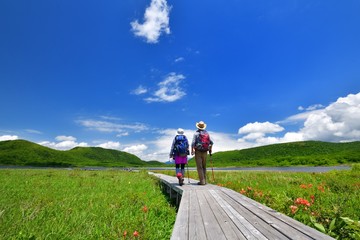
312, 153
25, 153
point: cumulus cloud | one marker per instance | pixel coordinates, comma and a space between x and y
261, 128
338, 122
8, 137
64, 143
110, 145
65, 138
135, 149
169, 90
156, 21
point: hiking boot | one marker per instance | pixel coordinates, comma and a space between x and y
199, 183
181, 180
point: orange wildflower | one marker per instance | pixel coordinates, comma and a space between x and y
145, 209
301, 201
293, 209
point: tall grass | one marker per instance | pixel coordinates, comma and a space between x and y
76, 204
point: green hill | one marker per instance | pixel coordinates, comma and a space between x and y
311, 153
25, 153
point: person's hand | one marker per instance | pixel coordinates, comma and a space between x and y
192, 152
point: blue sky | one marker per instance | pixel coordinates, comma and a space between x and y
126, 74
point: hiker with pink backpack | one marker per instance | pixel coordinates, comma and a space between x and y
179, 151
200, 146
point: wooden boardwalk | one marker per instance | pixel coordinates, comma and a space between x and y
213, 212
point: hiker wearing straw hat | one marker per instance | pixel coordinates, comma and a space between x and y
200, 146
179, 151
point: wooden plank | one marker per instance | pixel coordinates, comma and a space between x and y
256, 221
229, 229
181, 227
196, 226
247, 229
211, 225
284, 224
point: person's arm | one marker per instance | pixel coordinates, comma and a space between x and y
171, 155
210, 146
193, 144
188, 146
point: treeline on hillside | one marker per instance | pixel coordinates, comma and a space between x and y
309, 153
25, 153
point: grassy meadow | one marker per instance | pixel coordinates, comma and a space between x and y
77, 204
329, 202
305, 153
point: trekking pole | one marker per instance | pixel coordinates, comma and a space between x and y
188, 172
212, 167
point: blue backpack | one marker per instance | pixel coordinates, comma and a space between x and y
181, 145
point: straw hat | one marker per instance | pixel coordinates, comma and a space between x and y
180, 131
201, 125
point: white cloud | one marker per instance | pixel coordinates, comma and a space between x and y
338, 122
64, 143
311, 108
136, 149
300, 117
179, 59
140, 90
169, 89
123, 134
33, 131
8, 137
260, 128
112, 127
110, 145
156, 21
65, 138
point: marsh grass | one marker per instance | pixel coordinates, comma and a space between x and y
77, 204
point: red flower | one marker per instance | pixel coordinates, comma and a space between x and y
312, 199
303, 186
293, 209
145, 209
321, 188
136, 234
242, 191
125, 233
301, 201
